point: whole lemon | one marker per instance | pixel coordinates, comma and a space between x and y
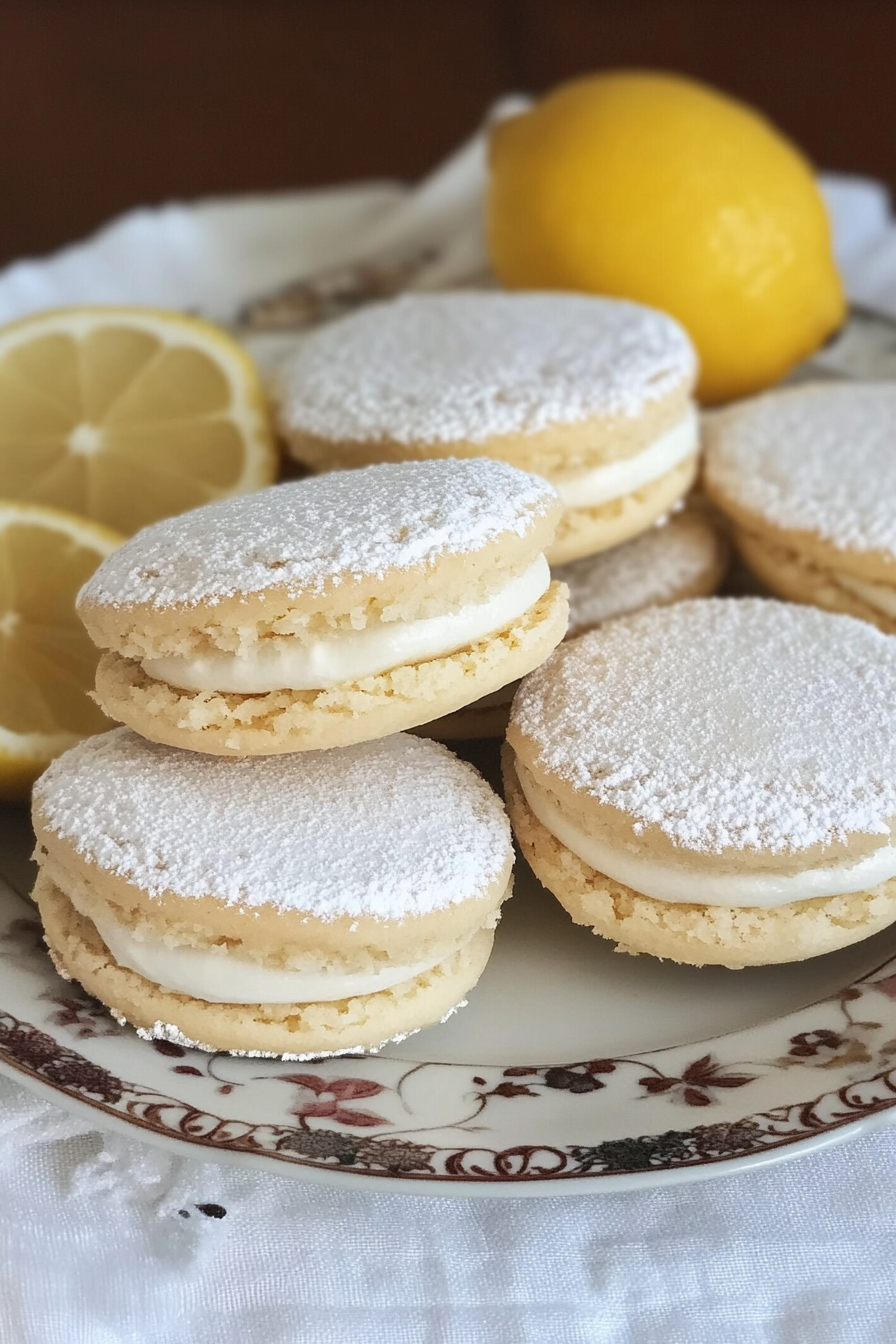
656, 188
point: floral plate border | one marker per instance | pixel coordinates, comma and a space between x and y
809, 1077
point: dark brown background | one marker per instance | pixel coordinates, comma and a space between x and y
108, 103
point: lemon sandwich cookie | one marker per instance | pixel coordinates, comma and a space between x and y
306, 904
713, 782
685, 557
328, 611
807, 476
592, 393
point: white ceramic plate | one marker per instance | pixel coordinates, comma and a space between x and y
572, 1068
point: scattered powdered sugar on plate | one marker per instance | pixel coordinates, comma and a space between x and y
726, 722
308, 533
392, 828
166, 1031
652, 568
818, 458
441, 368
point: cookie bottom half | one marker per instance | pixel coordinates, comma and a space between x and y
485, 718
592, 530
792, 576
362, 1023
695, 935
227, 724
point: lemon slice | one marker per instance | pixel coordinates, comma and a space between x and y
128, 415
47, 661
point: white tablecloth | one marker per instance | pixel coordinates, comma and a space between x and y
95, 1249
107, 1241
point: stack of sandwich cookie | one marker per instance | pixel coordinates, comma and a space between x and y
808, 477
328, 611
303, 905
594, 394
684, 557
713, 782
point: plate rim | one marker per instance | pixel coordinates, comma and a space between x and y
447, 1187
542, 1188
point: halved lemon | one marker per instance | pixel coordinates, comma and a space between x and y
128, 415
47, 662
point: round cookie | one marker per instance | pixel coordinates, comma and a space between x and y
328, 611
595, 394
304, 905
684, 557
807, 476
713, 782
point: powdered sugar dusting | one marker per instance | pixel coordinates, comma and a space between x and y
652, 568
306, 534
167, 1031
820, 459
726, 722
442, 368
393, 828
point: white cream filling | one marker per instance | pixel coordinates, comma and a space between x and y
285, 663
881, 596
679, 885
222, 977
585, 489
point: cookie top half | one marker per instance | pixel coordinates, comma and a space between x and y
535, 377
391, 830
743, 731
814, 467
394, 541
